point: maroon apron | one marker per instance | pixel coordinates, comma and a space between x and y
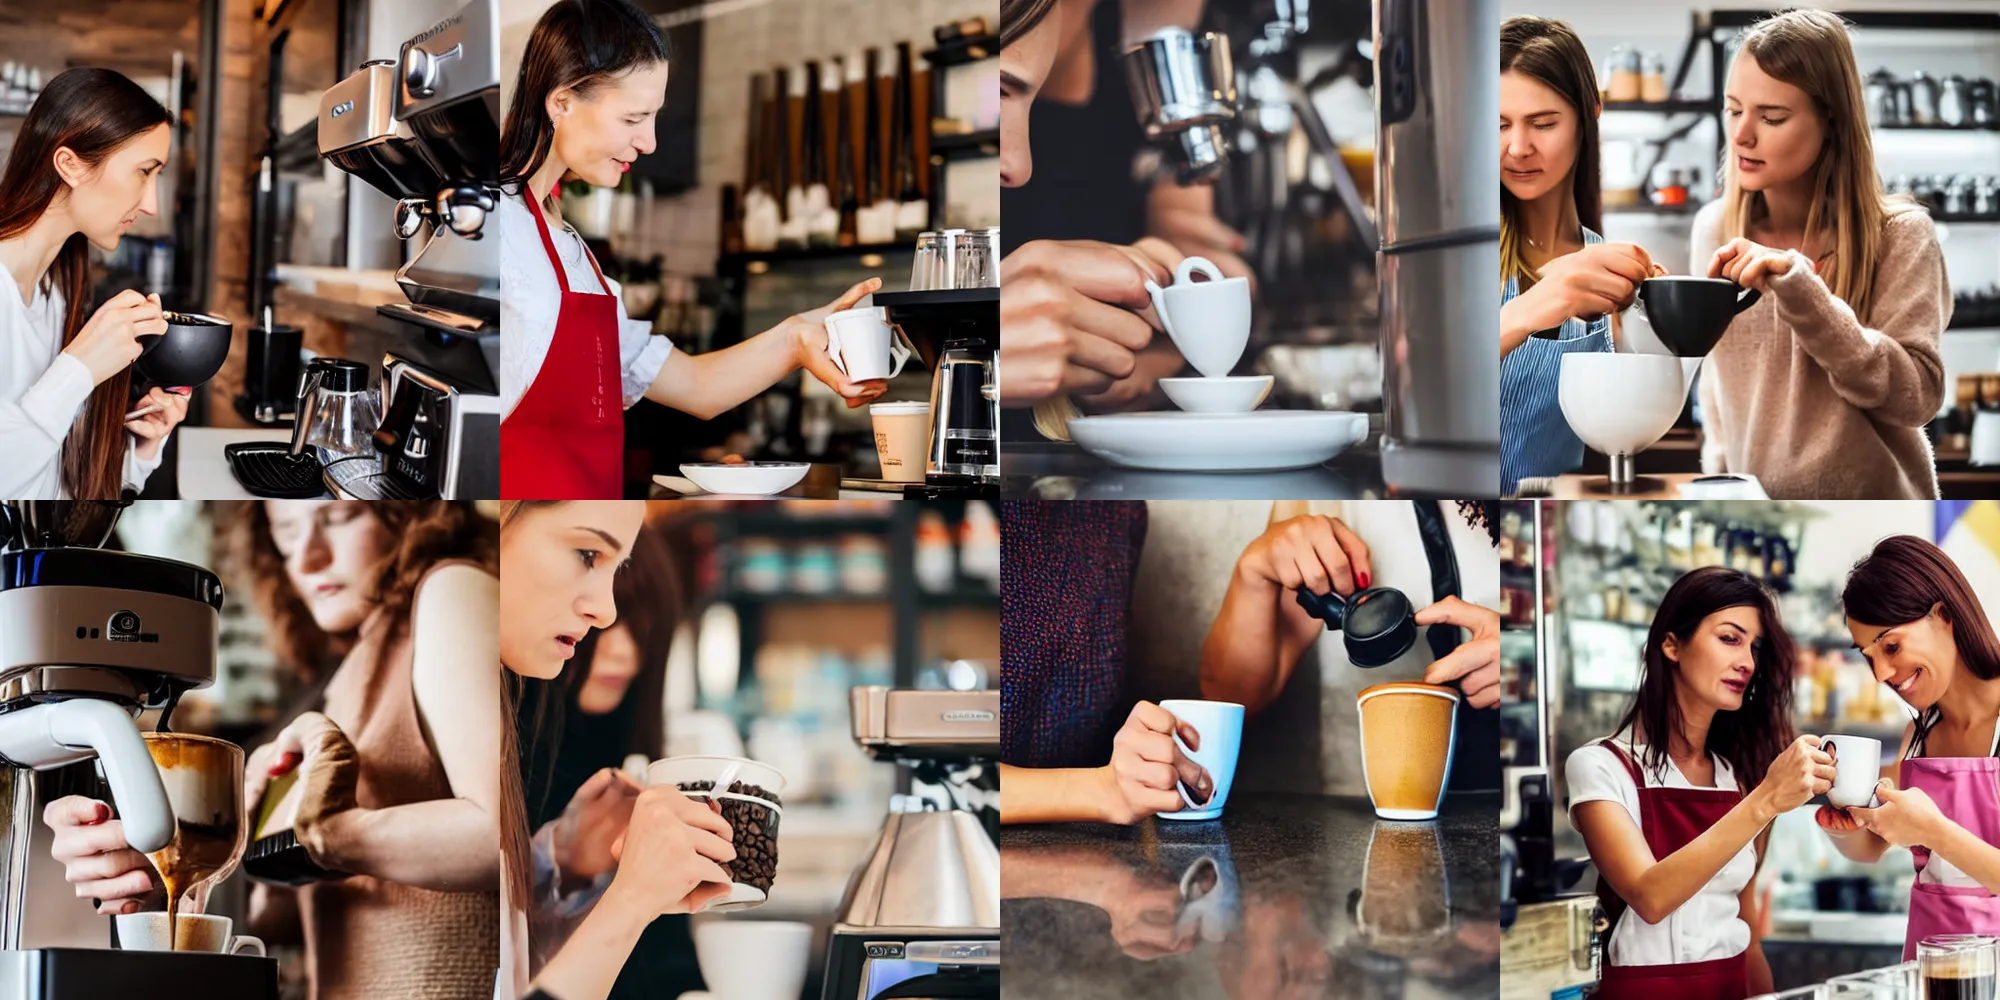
1670, 818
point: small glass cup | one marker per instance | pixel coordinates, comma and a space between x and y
1958, 965
927, 270
973, 261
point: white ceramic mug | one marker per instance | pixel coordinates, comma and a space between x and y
1209, 321
862, 345
199, 932
753, 959
1857, 765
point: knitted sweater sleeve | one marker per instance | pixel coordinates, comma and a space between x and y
1892, 368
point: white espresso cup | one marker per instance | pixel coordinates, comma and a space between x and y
1209, 321
1857, 765
862, 344
199, 932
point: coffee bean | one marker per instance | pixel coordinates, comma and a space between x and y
755, 828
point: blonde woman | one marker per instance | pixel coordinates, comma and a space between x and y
1822, 389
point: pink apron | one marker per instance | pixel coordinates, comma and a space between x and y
1967, 792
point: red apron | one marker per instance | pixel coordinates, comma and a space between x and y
565, 439
1671, 818
1967, 792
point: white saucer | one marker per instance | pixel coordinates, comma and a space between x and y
1229, 394
741, 896
1219, 442
746, 478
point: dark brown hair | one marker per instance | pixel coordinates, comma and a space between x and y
1900, 581
91, 112
517, 743
648, 596
1548, 51
422, 533
1750, 737
1018, 17
578, 44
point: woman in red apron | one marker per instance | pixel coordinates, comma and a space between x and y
1663, 806
1923, 631
593, 77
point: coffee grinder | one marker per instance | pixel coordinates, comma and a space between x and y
425, 130
921, 916
88, 639
956, 332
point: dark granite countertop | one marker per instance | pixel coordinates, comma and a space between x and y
1287, 896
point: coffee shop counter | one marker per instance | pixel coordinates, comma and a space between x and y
1284, 896
1676, 459
1052, 470
823, 481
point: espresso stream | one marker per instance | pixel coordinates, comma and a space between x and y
204, 782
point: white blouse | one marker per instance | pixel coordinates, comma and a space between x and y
1706, 927
41, 392
530, 300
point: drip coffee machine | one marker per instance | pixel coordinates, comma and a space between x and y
921, 916
88, 638
424, 129
956, 332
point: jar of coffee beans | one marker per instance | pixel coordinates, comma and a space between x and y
749, 803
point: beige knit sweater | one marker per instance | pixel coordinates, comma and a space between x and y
1817, 403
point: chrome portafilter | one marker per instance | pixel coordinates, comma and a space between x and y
1180, 80
410, 216
464, 209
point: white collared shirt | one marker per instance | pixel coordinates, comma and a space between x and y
41, 392
1706, 927
530, 299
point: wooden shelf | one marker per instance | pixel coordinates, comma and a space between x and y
1676, 107
956, 145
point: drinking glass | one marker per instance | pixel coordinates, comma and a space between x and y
1817, 991
973, 259
1957, 965
928, 271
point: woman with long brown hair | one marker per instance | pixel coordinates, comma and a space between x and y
1822, 389
401, 774
84, 167
1666, 804
1556, 272
1924, 632
560, 560
592, 80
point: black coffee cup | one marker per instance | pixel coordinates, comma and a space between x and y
1690, 315
188, 354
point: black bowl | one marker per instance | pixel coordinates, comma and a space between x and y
1690, 314
188, 354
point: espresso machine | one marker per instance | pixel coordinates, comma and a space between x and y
424, 129
921, 916
88, 639
1208, 97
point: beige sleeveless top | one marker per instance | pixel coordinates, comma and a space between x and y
367, 938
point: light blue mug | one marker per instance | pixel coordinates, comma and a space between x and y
1220, 724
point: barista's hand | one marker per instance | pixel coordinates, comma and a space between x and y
281, 755
1802, 771
108, 342
1907, 816
1313, 551
1147, 767
154, 427
808, 330
95, 856
1751, 265
597, 815
1075, 315
669, 857
1475, 664
1598, 279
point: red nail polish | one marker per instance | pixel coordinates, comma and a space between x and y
1363, 581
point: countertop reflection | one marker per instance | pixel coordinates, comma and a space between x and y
1059, 471
1287, 896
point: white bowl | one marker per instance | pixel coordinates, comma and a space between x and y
1619, 404
759, 479
1228, 394
753, 959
